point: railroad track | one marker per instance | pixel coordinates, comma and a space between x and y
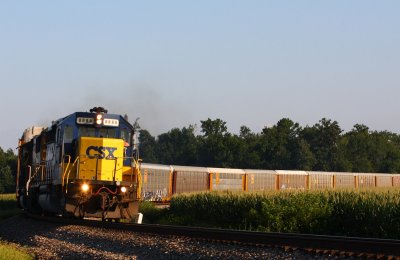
350, 245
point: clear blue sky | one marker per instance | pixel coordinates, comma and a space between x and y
174, 63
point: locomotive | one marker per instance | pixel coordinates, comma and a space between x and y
83, 165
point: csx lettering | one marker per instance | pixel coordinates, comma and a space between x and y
100, 152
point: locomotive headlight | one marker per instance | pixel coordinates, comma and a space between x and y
99, 119
123, 189
85, 187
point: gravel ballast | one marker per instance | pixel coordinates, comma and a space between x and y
58, 241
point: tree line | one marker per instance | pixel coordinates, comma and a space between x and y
286, 145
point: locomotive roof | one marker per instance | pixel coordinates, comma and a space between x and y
72, 117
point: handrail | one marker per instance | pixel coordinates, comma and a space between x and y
66, 185
42, 167
65, 171
139, 178
115, 167
29, 179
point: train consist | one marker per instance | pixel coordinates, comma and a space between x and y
160, 182
86, 165
83, 165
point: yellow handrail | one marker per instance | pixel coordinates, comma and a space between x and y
65, 170
73, 164
139, 178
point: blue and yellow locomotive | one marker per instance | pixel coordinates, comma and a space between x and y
83, 165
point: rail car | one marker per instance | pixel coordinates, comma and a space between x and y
83, 165
161, 182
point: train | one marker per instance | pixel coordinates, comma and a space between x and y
87, 165
161, 182
84, 165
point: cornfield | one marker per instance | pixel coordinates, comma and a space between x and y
366, 213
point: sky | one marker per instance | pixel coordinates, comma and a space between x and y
175, 63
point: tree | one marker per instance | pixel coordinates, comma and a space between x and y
249, 149
215, 127
8, 169
284, 148
358, 148
384, 152
147, 147
214, 147
178, 146
302, 157
7, 182
323, 139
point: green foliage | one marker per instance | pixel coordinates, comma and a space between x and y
151, 214
323, 138
178, 146
214, 127
284, 148
147, 146
283, 212
8, 168
216, 147
8, 206
11, 252
366, 213
352, 213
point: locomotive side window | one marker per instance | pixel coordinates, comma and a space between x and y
68, 134
51, 135
68, 138
37, 144
59, 136
126, 135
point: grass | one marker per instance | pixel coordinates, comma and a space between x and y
152, 214
10, 252
8, 206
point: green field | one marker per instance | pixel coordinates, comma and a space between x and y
8, 206
365, 213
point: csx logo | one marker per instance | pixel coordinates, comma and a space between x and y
100, 152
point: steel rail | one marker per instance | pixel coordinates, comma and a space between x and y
358, 245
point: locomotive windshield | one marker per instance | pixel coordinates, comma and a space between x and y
87, 131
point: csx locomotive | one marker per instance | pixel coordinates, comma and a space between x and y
83, 165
